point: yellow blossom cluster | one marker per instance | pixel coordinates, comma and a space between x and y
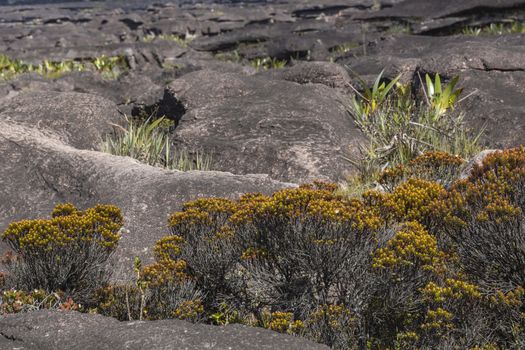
100, 224
283, 322
412, 245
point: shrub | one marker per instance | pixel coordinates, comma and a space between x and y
208, 247
381, 272
149, 142
439, 167
300, 245
65, 253
489, 234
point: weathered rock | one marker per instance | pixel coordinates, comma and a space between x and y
57, 330
443, 8
326, 73
80, 120
290, 131
40, 171
475, 161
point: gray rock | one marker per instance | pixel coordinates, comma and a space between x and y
57, 330
290, 131
443, 8
475, 161
79, 120
326, 73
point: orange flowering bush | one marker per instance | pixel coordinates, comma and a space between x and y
65, 253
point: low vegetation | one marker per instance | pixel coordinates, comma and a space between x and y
66, 253
109, 67
424, 264
265, 63
148, 140
401, 126
180, 40
512, 27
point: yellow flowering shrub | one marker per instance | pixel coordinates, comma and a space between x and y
189, 310
411, 246
66, 252
282, 322
432, 166
413, 200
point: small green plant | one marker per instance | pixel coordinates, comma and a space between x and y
14, 301
265, 63
512, 27
343, 48
110, 67
229, 56
372, 98
399, 28
441, 98
182, 41
149, 142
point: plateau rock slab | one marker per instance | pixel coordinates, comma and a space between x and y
293, 132
58, 330
78, 119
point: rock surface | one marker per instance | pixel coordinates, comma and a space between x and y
254, 124
57, 330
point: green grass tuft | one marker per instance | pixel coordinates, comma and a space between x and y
148, 141
512, 27
109, 66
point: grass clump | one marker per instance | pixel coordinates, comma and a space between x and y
109, 66
513, 27
149, 142
265, 63
180, 40
399, 128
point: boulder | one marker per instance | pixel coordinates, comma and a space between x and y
326, 73
61, 330
250, 124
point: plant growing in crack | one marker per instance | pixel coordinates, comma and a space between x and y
400, 128
149, 142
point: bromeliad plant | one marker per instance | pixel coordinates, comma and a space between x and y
399, 128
